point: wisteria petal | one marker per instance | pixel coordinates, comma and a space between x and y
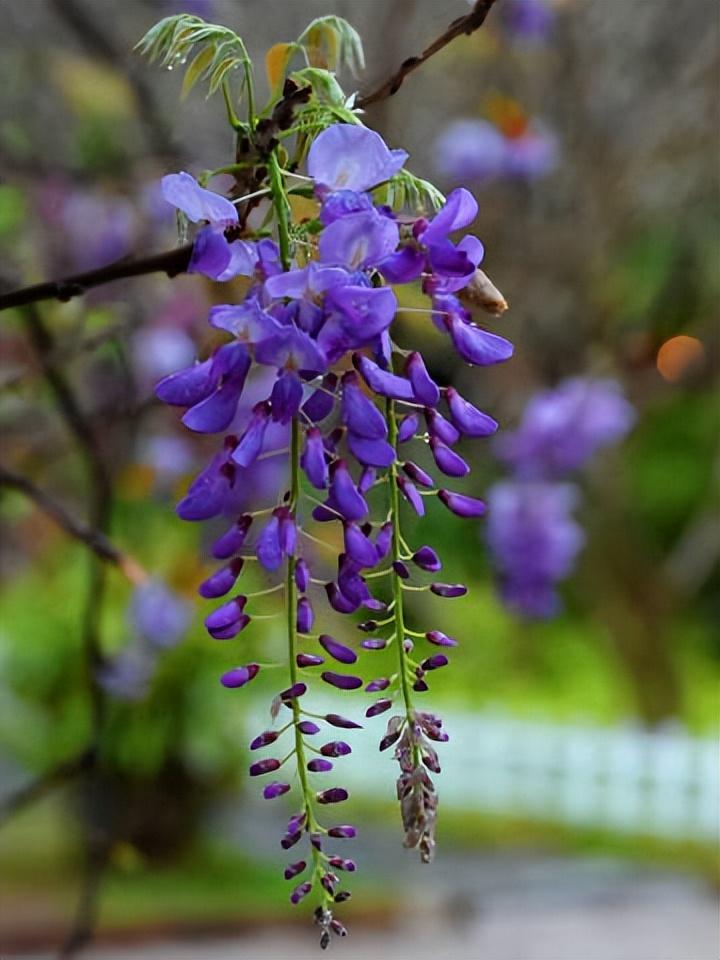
184, 192
351, 157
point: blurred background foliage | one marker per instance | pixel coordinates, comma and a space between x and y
609, 261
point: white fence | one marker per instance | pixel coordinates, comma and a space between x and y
664, 783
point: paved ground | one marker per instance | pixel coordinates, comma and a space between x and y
503, 908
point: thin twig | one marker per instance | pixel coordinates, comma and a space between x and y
171, 262
96, 541
462, 26
35, 790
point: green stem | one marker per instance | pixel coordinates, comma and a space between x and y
281, 207
397, 544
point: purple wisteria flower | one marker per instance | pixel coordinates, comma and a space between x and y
532, 535
564, 427
534, 541
478, 151
342, 407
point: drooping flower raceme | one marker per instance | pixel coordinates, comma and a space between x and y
531, 533
354, 413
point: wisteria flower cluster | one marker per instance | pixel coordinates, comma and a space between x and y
533, 536
366, 432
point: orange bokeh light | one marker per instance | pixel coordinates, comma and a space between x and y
677, 355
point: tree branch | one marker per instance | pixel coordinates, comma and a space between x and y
171, 262
96, 541
463, 25
35, 790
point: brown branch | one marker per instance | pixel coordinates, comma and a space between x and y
95, 540
463, 25
171, 262
35, 790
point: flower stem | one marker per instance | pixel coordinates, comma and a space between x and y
281, 208
397, 546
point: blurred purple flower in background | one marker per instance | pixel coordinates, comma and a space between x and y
534, 541
529, 20
475, 150
159, 619
531, 534
562, 428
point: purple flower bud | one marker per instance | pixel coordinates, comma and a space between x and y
374, 643
342, 681
380, 706
337, 928
316, 840
462, 505
417, 474
229, 543
382, 382
264, 766
341, 897
467, 418
441, 428
313, 459
408, 427
319, 405
410, 493
408, 645
448, 589
426, 558
302, 890
358, 547
290, 839
296, 822
263, 739
319, 766
338, 601
434, 662
401, 569
383, 541
359, 413
232, 630
296, 690
305, 615
425, 388
420, 686
335, 748
341, 864
308, 660
251, 442
451, 463
367, 479
335, 720
337, 650
343, 832
275, 789
308, 727
302, 576
239, 676
222, 581
293, 869
333, 795
382, 683
329, 881
440, 639
227, 615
